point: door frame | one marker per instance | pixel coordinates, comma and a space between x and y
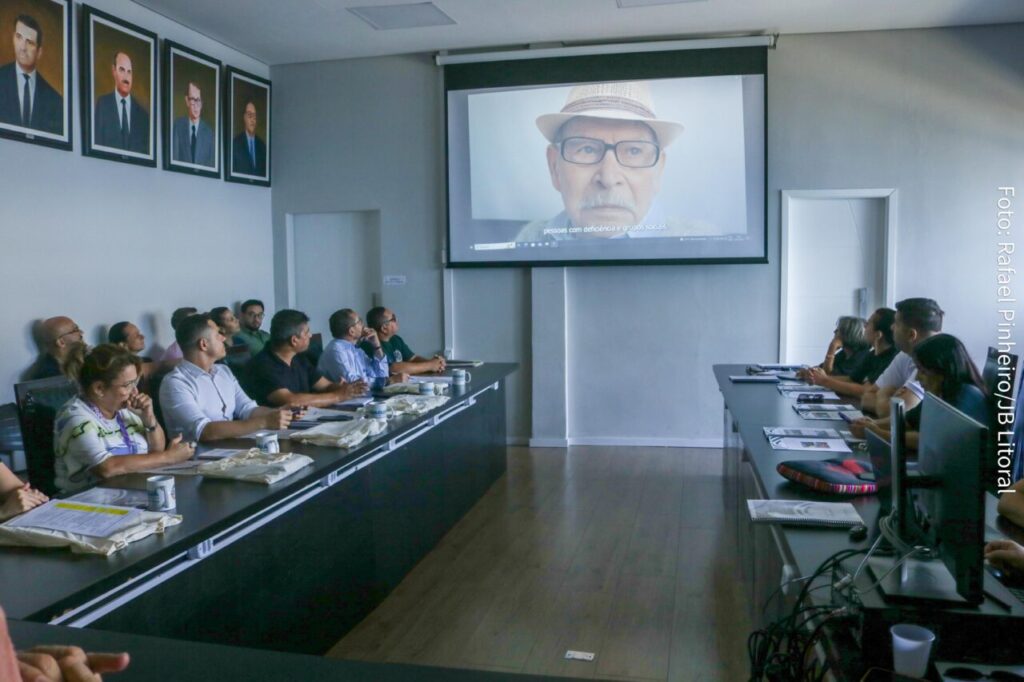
888, 195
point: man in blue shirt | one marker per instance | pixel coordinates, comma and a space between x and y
344, 360
201, 399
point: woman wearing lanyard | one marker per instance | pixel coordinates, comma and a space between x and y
109, 428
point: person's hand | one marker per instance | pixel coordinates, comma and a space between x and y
180, 451
277, 419
859, 426
67, 664
1005, 554
835, 345
21, 500
815, 375
352, 389
142, 405
370, 336
299, 411
437, 363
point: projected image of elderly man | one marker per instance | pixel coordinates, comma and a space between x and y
606, 158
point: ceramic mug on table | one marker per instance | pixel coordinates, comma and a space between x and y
427, 388
461, 377
160, 491
379, 410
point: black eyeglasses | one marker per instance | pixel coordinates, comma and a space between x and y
394, 318
76, 330
588, 151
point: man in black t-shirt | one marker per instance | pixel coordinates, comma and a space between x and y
280, 375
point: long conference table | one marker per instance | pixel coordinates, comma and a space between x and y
289, 567
770, 555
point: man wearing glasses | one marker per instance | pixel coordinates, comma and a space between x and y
57, 335
193, 137
250, 314
401, 358
606, 159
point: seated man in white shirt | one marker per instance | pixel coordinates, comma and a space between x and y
916, 320
345, 361
201, 399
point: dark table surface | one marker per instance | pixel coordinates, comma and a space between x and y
756, 405
170, 660
37, 584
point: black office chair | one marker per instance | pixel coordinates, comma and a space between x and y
990, 374
38, 403
10, 433
316, 348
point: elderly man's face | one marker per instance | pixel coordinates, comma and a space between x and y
605, 193
122, 71
194, 102
26, 47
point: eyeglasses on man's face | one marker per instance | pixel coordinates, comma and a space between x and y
76, 330
589, 151
128, 385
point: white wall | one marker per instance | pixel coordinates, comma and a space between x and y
933, 113
102, 241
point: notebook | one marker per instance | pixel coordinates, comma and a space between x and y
804, 513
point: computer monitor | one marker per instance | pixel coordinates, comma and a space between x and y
938, 517
898, 466
880, 453
947, 510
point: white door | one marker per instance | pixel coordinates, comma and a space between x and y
837, 256
335, 263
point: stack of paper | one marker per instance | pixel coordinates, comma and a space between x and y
799, 512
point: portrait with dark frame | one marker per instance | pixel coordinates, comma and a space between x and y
191, 127
247, 132
35, 72
118, 66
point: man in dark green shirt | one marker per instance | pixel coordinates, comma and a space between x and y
400, 357
251, 317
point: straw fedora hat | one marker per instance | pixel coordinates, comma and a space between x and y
621, 101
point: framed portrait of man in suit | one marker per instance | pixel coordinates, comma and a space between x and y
191, 108
118, 80
35, 71
246, 128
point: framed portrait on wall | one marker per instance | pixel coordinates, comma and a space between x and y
35, 71
118, 82
247, 140
191, 108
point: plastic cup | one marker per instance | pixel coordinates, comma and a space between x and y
911, 648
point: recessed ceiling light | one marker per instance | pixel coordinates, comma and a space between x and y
415, 15
626, 4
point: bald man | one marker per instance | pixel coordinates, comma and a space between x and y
58, 335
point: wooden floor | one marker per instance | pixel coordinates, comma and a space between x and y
617, 551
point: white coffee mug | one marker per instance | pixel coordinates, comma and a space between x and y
160, 491
268, 442
427, 388
461, 377
379, 410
